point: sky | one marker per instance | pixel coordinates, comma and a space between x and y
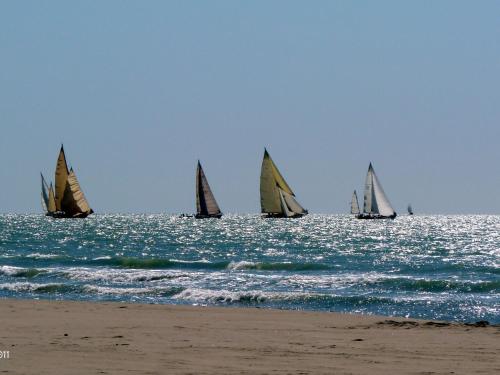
138, 91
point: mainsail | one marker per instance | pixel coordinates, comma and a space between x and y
206, 205
410, 210
61, 177
276, 197
354, 204
375, 200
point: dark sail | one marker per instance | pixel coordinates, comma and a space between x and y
61, 177
45, 193
206, 205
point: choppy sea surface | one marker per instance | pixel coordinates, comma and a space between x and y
432, 267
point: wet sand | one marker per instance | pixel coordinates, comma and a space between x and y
49, 337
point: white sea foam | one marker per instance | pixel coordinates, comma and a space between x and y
212, 296
122, 275
42, 256
95, 289
11, 270
241, 265
28, 287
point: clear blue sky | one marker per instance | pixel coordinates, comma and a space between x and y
139, 90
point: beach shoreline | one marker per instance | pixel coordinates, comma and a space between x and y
62, 337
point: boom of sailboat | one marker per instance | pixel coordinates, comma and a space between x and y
65, 198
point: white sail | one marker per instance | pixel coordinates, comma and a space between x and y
368, 197
284, 206
292, 203
383, 204
205, 200
375, 200
354, 204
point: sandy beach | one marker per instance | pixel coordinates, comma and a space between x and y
48, 337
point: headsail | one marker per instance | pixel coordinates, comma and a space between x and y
276, 197
284, 206
74, 202
206, 205
61, 177
375, 200
354, 204
45, 193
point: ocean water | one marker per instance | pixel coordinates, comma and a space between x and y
432, 267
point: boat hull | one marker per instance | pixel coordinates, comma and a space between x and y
283, 216
64, 215
200, 216
375, 217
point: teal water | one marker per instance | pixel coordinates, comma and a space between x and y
432, 267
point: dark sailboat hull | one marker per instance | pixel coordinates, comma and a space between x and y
201, 216
375, 217
283, 216
64, 215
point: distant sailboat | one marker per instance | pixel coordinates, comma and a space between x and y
66, 200
375, 203
354, 204
276, 197
206, 205
410, 210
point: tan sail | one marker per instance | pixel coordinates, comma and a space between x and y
60, 178
74, 202
276, 197
269, 194
51, 205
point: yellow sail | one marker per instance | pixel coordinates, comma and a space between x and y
74, 202
61, 178
51, 205
280, 181
270, 181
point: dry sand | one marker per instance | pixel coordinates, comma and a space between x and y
46, 337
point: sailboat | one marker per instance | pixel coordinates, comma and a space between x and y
206, 205
354, 204
375, 205
66, 199
410, 210
276, 197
